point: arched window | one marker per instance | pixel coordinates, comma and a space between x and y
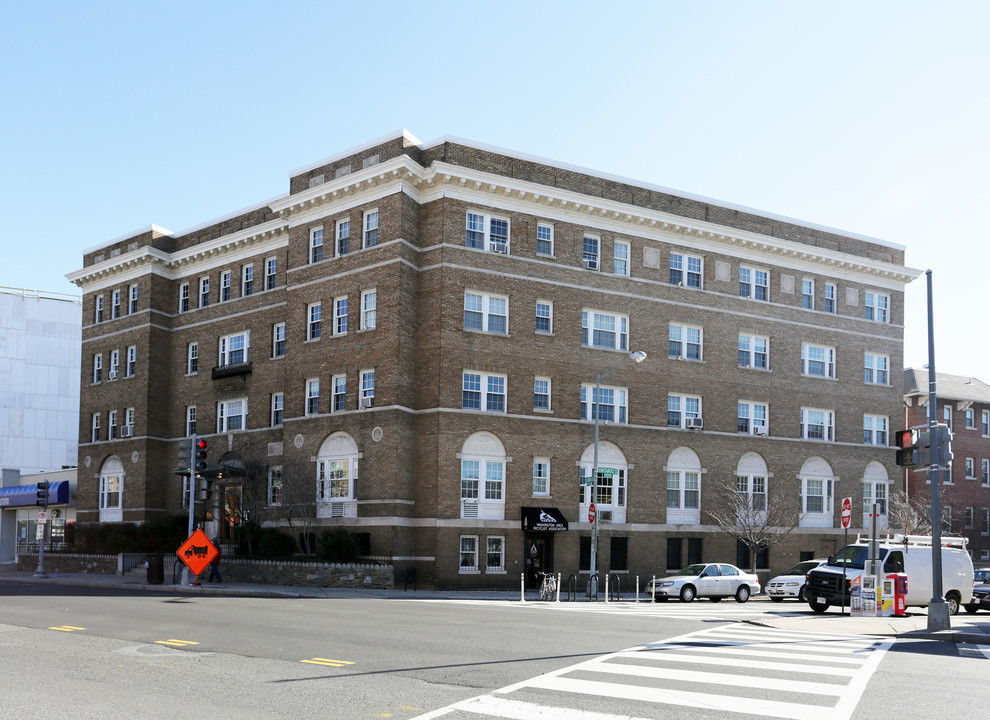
817, 493
684, 487
112, 490
610, 489
875, 486
336, 477
483, 477
751, 488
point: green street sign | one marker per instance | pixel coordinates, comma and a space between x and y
607, 472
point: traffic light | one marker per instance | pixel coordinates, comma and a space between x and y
944, 445
185, 456
201, 447
43, 494
915, 448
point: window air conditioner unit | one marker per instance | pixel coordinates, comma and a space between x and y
759, 429
366, 402
500, 247
112, 375
590, 263
126, 431
605, 516
694, 423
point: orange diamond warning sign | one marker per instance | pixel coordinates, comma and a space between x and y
197, 552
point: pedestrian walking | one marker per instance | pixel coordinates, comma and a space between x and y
215, 564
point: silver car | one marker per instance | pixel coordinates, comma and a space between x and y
711, 580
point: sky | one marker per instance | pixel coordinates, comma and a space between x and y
871, 118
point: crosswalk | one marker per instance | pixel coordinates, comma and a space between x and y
691, 611
737, 668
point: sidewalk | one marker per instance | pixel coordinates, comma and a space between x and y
964, 627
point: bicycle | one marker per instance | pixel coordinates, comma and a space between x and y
548, 588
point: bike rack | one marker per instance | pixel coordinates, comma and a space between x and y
572, 588
593, 584
614, 591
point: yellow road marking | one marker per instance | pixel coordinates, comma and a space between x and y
177, 643
328, 661
66, 628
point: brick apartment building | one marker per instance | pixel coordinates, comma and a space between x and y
963, 405
437, 315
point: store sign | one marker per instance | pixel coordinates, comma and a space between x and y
536, 519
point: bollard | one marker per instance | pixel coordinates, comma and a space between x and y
606, 586
653, 595
557, 599
522, 587
637, 588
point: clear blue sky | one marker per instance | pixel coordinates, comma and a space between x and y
871, 117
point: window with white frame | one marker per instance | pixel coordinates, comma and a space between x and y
485, 232
278, 340
817, 424
111, 491
487, 313
204, 292
754, 284
129, 419
985, 426
876, 306
684, 341
369, 309
367, 397
683, 490
816, 496
875, 429
985, 530
754, 351
685, 270
541, 477
752, 418
620, 258
875, 492
225, 286
808, 294
751, 491
969, 518
271, 266
604, 330
98, 368
112, 425
483, 391
313, 396
610, 405
590, 252
131, 366
184, 297
190, 420
541, 393
339, 385
970, 468
544, 239
369, 237
335, 479
247, 280
970, 418
468, 554
275, 485
544, 317
985, 471
947, 415
340, 316
495, 554
234, 348
114, 364
830, 306
876, 369
818, 360
115, 304
132, 299
232, 415
278, 409
491, 489
608, 492
94, 428
681, 408
98, 309
315, 244
343, 237
314, 321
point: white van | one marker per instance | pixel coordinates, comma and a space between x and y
910, 554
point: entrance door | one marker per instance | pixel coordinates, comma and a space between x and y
230, 510
539, 558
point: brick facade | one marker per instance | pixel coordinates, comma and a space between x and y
417, 440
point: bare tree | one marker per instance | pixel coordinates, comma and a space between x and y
297, 504
750, 514
913, 515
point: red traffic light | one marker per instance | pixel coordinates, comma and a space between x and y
202, 445
905, 439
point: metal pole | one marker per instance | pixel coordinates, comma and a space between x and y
938, 609
842, 602
40, 572
596, 408
192, 500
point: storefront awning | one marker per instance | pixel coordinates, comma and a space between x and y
543, 519
25, 495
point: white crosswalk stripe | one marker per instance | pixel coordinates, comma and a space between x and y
740, 669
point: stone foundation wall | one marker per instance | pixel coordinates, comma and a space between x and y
71, 563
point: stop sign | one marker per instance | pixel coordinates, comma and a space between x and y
846, 512
591, 513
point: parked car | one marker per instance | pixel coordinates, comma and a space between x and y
711, 580
981, 598
981, 575
792, 584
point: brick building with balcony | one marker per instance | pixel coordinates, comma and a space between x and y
407, 345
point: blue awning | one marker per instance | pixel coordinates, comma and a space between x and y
27, 495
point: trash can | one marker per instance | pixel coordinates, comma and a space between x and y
156, 569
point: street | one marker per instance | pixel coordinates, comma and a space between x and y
105, 653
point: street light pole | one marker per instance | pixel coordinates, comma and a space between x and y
636, 357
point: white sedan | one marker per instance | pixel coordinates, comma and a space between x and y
792, 583
711, 580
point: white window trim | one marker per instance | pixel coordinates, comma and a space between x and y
541, 461
94, 428
553, 249
834, 298
271, 270
245, 271
314, 234
619, 404
616, 259
752, 352
366, 231
874, 370
461, 568
751, 417
810, 294
823, 518
130, 366
98, 307
98, 368
549, 318
132, 299
184, 297
115, 304
682, 409
828, 424
312, 393
684, 341
366, 392
483, 393
224, 416
875, 305
486, 312
225, 279
367, 312
621, 338
275, 473
314, 326
277, 405
334, 394
549, 393
586, 258
500, 568
487, 242
829, 361
190, 419
338, 317
753, 284
885, 421
682, 514
275, 340
337, 237
684, 259
204, 292
224, 348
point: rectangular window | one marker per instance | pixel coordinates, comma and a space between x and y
752, 418
683, 490
370, 236
754, 351
247, 280
313, 397
278, 409
98, 368
484, 232
751, 492
986, 528
544, 316
112, 424
190, 420
270, 268
225, 286
968, 518
876, 307
314, 322
129, 420
544, 239
970, 468
817, 424
204, 292
541, 477
115, 304
343, 237
94, 431
114, 365
234, 349
367, 398
483, 391
469, 554
369, 309
192, 358
818, 360
487, 313
98, 309
876, 369
275, 485
808, 294
610, 405
829, 298
684, 341
681, 409
315, 245
685, 270
816, 495
184, 297
132, 297
131, 367
278, 340
875, 492
340, 316
875, 429
754, 284
604, 330
541, 393
985, 427
339, 383
589, 255
970, 418
947, 415
495, 553
232, 415
620, 258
